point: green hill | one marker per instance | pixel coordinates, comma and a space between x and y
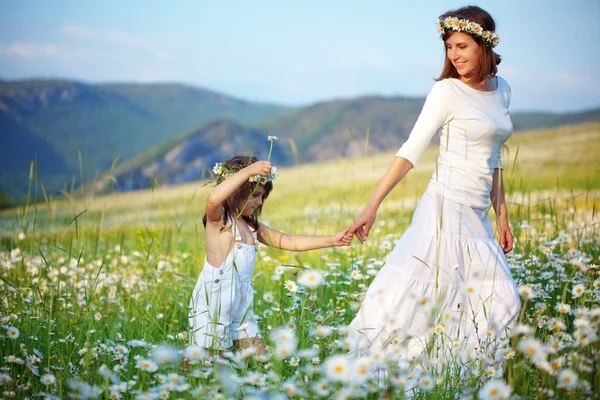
57, 119
339, 128
538, 120
78, 130
190, 157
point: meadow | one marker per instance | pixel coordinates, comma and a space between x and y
95, 289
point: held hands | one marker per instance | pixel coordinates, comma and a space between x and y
259, 168
343, 238
506, 236
362, 224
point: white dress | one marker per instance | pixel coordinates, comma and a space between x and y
222, 303
446, 288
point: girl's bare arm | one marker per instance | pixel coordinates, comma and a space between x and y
280, 240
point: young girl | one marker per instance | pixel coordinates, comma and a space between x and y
221, 308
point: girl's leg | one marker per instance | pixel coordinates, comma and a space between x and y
249, 342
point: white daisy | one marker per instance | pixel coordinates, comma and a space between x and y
268, 297
426, 382
578, 290
323, 330
337, 368
294, 361
469, 289
533, 349
567, 379
13, 332
310, 278
48, 379
495, 389
526, 292
563, 308
280, 269
166, 354
291, 286
146, 365
194, 353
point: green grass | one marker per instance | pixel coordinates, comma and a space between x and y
82, 276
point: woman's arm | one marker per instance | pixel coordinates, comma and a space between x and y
436, 112
394, 174
499, 204
214, 211
280, 240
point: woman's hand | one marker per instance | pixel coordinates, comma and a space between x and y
506, 236
258, 168
362, 224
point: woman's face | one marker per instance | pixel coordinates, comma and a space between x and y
464, 53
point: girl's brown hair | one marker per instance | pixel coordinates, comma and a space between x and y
237, 201
489, 60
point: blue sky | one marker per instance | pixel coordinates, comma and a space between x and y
302, 52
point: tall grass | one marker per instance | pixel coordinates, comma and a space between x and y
95, 290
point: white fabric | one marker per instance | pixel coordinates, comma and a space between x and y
222, 303
446, 269
472, 125
446, 288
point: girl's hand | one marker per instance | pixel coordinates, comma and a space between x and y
506, 236
258, 168
362, 224
343, 238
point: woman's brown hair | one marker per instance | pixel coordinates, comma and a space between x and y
489, 60
237, 201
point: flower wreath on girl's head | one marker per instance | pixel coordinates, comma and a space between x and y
223, 172
472, 28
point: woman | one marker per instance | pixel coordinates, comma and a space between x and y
446, 288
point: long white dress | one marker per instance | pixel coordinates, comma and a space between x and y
446, 288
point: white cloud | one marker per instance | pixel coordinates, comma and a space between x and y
30, 50
158, 46
115, 37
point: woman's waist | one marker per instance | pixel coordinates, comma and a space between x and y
463, 188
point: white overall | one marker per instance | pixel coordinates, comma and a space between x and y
222, 303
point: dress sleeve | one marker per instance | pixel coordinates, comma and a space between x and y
497, 159
433, 116
497, 156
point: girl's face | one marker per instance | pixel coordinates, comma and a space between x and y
464, 53
254, 201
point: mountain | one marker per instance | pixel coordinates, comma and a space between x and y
538, 120
318, 132
77, 129
339, 128
169, 133
191, 156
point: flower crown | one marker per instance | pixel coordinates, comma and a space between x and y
463, 25
224, 172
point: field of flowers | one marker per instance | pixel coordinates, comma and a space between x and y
95, 291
